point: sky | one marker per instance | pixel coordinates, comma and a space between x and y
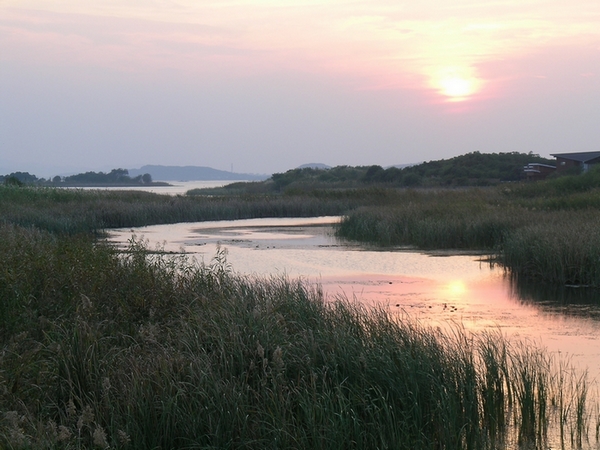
263, 86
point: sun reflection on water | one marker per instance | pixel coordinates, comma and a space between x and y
455, 289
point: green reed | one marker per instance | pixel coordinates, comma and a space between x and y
74, 211
102, 349
550, 239
130, 350
564, 249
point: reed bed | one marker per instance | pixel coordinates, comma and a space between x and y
429, 220
72, 211
545, 238
538, 231
101, 349
562, 248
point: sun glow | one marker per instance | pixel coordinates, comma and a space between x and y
457, 87
457, 84
456, 289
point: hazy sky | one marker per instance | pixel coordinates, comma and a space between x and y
266, 85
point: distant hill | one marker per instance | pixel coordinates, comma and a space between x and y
402, 166
471, 169
314, 166
466, 170
193, 173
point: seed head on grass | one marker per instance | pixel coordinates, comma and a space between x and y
71, 408
86, 418
124, 438
99, 438
278, 363
64, 434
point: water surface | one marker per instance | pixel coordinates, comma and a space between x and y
173, 188
434, 288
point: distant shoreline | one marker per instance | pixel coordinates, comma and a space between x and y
103, 185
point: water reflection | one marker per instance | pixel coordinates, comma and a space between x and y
568, 300
433, 288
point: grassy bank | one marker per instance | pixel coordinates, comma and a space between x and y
132, 351
434, 219
75, 211
540, 231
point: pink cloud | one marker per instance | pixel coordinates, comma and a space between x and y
375, 45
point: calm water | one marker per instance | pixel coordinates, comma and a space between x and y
434, 288
174, 188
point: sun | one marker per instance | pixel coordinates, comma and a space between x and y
456, 83
456, 288
457, 87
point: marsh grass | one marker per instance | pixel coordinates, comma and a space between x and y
72, 211
543, 231
139, 350
548, 238
564, 248
432, 220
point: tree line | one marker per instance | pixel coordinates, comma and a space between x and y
471, 169
115, 176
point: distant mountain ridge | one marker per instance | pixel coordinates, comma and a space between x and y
193, 173
314, 166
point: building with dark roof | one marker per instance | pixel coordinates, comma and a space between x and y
538, 171
584, 160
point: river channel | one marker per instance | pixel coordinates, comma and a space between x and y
436, 288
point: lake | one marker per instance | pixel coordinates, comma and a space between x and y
174, 187
436, 288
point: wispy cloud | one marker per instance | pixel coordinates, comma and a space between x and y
382, 43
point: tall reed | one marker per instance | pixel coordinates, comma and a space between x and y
539, 239
76, 211
130, 350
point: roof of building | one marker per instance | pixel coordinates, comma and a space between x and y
581, 157
530, 165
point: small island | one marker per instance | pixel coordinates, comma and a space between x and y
116, 178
